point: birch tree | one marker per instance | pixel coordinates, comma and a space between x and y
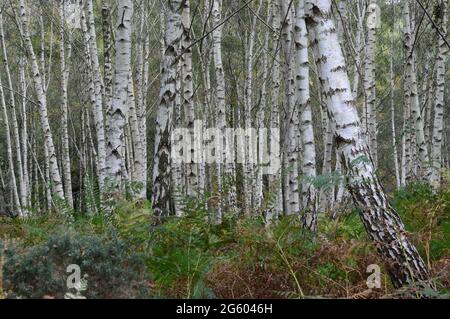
275, 180
9, 152
416, 117
65, 70
42, 102
188, 99
161, 162
308, 154
15, 127
98, 106
291, 118
436, 153
381, 221
369, 82
117, 113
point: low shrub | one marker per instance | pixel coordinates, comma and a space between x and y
40, 271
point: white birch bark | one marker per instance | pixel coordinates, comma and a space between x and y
138, 173
15, 126
308, 154
416, 117
438, 123
369, 84
262, 141
162, 155
178, 184
275, 181
381, 221
65, 70
13, 182
326, 194
117, 113
107, 57
426, 102
141, 105
204, 56
220, 97
42, 101
24, 134
250, 154
394, 138
98, 107
191, 168
291, 118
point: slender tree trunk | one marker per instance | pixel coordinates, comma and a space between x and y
24, 136
358, 45
178, 184
394, 138
139, 172
162, 161
15, 127
42, 101
117, 114
276, 203
327, 190
13, 182
262, 140
220, 98
438, 123
97, 81
369, 84
188, 100
416, 118
250, 139
107, 56
141, 105
65, 70
381, 221
308, 154
289, 132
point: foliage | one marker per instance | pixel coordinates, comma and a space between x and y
129, 251
40, 270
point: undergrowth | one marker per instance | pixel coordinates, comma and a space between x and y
128, 254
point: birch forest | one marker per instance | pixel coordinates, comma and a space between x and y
224, 149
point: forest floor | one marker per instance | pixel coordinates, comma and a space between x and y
126, 256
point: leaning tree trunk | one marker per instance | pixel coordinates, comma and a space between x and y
162, 161
42, 101
117, 113
381, 221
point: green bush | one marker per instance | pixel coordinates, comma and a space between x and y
40, 270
